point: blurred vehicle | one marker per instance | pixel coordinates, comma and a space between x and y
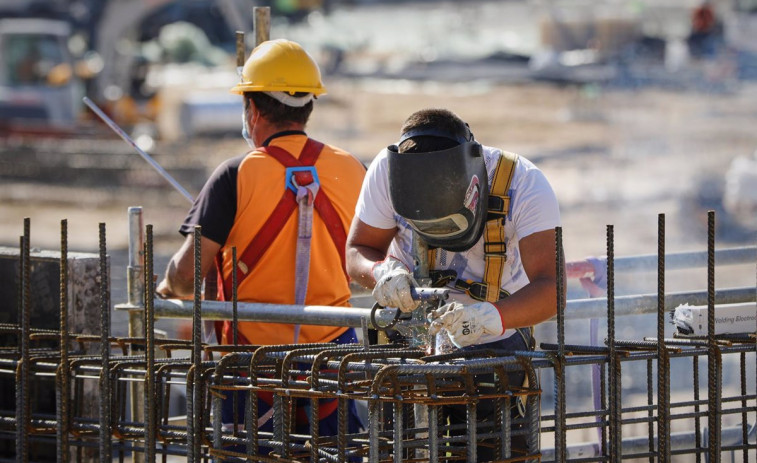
40, 83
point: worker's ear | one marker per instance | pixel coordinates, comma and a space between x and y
252, 114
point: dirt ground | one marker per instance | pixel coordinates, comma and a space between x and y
614, 157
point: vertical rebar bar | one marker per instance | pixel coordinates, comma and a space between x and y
191, 457
22, 370
603, 385
197, 348
234, 329
615, 409
697, 419
559, 367
713, 351
650, 411
399, 427
472, 411
64, 387
375, 418
433, 421
149, 396
105, 390
663, 359
744, 420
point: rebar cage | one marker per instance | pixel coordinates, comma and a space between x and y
112, 395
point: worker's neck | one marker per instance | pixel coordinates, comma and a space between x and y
263, 130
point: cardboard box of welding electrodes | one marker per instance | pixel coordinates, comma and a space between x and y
691, 320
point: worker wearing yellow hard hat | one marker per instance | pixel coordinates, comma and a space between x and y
251, 204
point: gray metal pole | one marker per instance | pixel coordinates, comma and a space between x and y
354, 316
139, 150
274, 313
135, 283
685, 260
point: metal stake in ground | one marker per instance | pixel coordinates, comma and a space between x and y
119, 131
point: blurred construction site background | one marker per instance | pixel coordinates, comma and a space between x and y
631, 107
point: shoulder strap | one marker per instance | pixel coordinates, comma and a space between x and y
495, 252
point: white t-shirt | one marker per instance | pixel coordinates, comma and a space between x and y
533, 208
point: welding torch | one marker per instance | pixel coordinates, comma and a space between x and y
433, 297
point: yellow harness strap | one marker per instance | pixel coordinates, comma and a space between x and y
495, 253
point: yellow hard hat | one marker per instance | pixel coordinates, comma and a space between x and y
280, 66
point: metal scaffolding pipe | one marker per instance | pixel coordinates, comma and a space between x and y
354, 316
274, 313
684, 260
647, 303
673, 261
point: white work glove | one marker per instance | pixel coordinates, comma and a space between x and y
393, 283
467, 324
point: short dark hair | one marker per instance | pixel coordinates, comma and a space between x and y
441, 120
278, 113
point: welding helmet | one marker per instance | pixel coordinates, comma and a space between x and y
442, 194
280, 66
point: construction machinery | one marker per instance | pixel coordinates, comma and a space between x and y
41, 84
132, 58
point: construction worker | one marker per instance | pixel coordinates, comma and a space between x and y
285, 206
489, 219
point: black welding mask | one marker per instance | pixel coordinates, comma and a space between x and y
442, 194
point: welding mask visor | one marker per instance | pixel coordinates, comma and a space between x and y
442, 194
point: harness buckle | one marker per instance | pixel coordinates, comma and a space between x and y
291, 182
498, 248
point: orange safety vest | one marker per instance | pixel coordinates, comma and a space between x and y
333, 216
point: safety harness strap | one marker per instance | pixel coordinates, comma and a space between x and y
495, 253
322, 202
280, 215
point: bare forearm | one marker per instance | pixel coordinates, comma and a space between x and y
360, 261
175, 284
534, 303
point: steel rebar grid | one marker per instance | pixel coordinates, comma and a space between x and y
41, 366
